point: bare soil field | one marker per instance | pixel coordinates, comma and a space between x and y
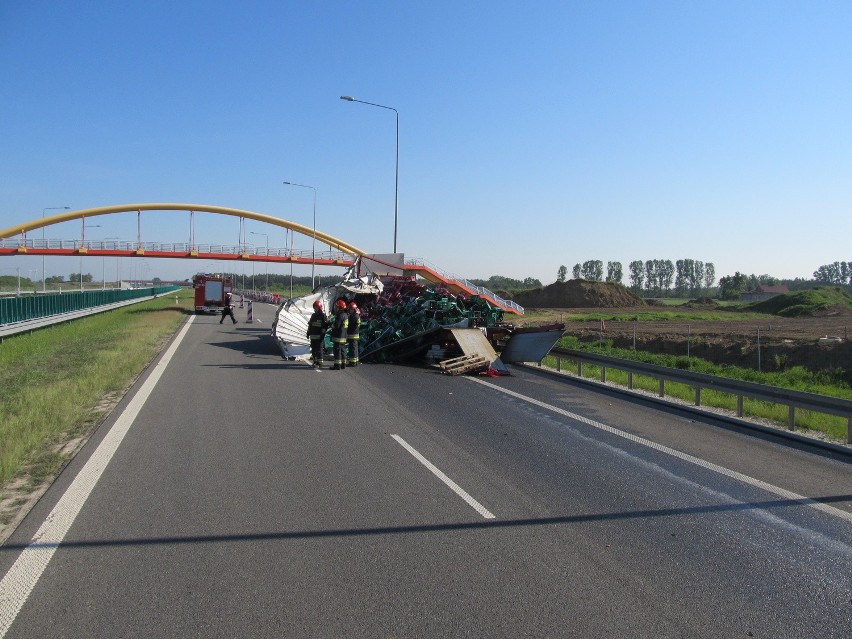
813, 342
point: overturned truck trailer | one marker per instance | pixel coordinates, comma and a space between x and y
402, 319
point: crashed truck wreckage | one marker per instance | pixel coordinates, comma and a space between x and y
403, 319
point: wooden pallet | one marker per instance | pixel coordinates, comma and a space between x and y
463, 364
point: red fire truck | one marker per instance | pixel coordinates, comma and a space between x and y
210, 289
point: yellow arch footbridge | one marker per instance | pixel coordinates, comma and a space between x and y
33, 248
346, 254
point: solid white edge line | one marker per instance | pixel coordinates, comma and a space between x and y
18, 583
449, 482
727, 472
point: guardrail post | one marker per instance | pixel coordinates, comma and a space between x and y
630, 380
698, 396
579, 369
603, 373
739, 405
558, 364
662, 387
849, 431
791, 417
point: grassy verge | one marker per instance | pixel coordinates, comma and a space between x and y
58, 382
829, 382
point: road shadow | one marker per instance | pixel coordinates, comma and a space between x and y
769, 505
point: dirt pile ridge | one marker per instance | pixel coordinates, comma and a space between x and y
579, 294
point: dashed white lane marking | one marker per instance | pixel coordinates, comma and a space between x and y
727, 472
449, 482
22, 577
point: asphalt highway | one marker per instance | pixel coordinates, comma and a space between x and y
236, 494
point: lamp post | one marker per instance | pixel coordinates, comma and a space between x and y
314, 243
267, 255
82, 245
43, 275
349, 98
103, 261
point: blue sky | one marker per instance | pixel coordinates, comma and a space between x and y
531, 135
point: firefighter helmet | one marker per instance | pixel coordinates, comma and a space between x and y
353, 306
340, 304
317, 305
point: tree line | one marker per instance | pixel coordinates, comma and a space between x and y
688, 277
653, 277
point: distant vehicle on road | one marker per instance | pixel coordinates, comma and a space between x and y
210, 290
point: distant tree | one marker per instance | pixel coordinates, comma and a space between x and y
501, 283
562, 273
666, 277
709, 275
75, 278
697, 278
54, 279
592, 270
575, 272
682, 269
651, 276
637, 275
834, 273
732, 286
614, 272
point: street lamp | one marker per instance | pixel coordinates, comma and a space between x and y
82, 245
349, 98
43, 276
267, 255
314, 244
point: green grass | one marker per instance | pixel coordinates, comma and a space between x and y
834, 382
57, 382
804, 303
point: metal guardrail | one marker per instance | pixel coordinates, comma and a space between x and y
479, 290
700, 381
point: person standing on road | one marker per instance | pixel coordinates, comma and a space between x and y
317, 326
352, 337
338, 334
228, 309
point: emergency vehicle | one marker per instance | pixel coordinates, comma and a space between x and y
210, 289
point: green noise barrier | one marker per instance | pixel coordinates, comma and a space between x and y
30, 307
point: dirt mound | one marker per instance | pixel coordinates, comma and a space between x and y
579, 294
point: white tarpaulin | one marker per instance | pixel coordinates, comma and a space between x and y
291, 321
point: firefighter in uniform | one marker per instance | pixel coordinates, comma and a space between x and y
228, 309
338, 334
317, 325
352, 334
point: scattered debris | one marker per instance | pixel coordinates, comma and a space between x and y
463, 364
402, 319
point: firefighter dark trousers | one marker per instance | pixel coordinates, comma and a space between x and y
352, 354
226, 312
316, 350
339, 350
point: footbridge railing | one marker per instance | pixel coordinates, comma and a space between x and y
466, 284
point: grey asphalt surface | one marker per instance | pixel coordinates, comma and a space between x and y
255, 497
